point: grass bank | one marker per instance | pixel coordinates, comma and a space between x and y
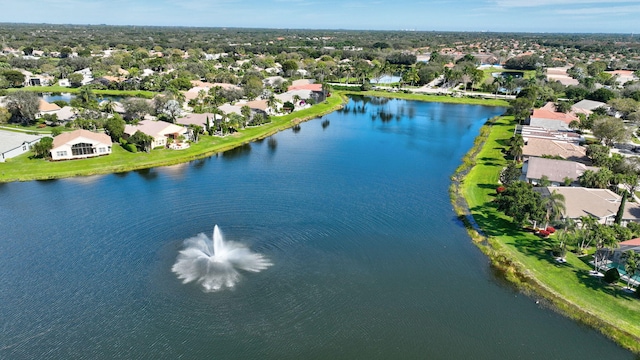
22, 168
524, 258
61, 89
430, 98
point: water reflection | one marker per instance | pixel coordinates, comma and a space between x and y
237, 152
325, 124
273, 144
296, 128
200, 163
147, 174
122, 174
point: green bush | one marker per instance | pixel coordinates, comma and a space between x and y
129, 147
611, 276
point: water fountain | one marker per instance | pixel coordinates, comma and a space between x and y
214, 263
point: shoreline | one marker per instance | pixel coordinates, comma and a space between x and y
100, 165
19, 169
505, 258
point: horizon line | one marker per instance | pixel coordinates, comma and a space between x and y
320, 29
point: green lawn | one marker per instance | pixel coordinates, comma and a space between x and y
568, 286
61, 89
22, 168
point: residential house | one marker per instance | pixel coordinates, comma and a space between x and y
302, 95
13, 144
537, 132
623, 76
38, 80
556, 171
45, 107
196, 119
273, 81
160, 131
560, 74
317, 94
587, 106
80, 144
206, 86
66, 113
87, 76
537, 147
230, 109
547, 117
601, 204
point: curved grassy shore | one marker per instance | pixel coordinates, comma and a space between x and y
22, 168
524, 258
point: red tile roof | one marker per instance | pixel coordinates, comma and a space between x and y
68, 136
312, 87
552, 115
632, 242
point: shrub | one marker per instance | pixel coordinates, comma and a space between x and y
559, 251
130, 147
543, 233
550, 229
611, 276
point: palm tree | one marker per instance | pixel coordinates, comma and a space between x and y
411, 76
508, 83
554, 206
87, 97
631, 265
272, 103
109, 106
585, 233
296, 99
215, 111
516, 145
499, 82
604, 237
245, 110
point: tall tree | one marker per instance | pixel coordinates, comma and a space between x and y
272, 103
114, 127
554, 206
610, 130
516, 145
521, 203
620, 212
42, 148
23, 106
141, 140
245, 110
631, 264
510, 174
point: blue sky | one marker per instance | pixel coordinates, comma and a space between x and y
455, 15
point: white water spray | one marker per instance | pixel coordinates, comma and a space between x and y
214, 263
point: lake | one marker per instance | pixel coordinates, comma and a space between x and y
51, 97
386, 79
369, 260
